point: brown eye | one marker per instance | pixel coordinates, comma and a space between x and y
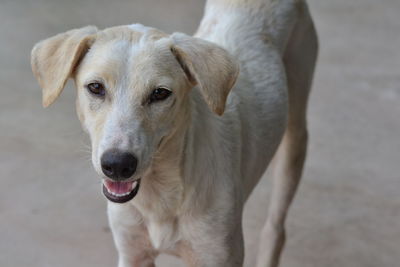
96, 89
159, 94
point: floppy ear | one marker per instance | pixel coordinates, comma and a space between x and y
53, 60
207, 65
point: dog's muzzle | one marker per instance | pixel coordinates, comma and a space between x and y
119, 167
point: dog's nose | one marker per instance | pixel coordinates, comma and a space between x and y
118, 165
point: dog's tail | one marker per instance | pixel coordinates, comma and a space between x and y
238, 21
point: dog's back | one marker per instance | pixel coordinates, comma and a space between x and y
256, 32
232, 23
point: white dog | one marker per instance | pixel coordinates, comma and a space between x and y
182, 128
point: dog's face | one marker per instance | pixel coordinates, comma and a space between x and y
133, 91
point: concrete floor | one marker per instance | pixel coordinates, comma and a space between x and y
347, 211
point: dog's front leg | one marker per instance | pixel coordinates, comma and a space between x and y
135, 261
130, 237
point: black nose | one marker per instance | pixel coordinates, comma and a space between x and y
118, 165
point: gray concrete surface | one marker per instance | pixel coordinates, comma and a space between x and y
347, 211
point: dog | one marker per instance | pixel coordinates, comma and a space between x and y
182, 128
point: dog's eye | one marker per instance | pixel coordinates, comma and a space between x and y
159, 94
96, 89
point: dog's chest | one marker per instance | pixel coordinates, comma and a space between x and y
162, 235
161, 225
165, 238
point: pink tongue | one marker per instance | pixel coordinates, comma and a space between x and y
118, 187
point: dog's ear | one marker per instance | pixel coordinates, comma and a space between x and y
53, 60
207, 65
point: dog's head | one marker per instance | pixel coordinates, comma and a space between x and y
133, 91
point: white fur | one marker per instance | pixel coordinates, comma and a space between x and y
241, 142
197, 169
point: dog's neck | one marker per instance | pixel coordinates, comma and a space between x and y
175, 174
163, 181
161, 191
177, 179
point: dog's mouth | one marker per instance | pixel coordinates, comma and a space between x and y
119, 191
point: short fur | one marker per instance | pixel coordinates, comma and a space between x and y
240, 90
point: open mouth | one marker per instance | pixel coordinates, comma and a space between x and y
120, 192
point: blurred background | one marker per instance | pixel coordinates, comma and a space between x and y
347, 210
